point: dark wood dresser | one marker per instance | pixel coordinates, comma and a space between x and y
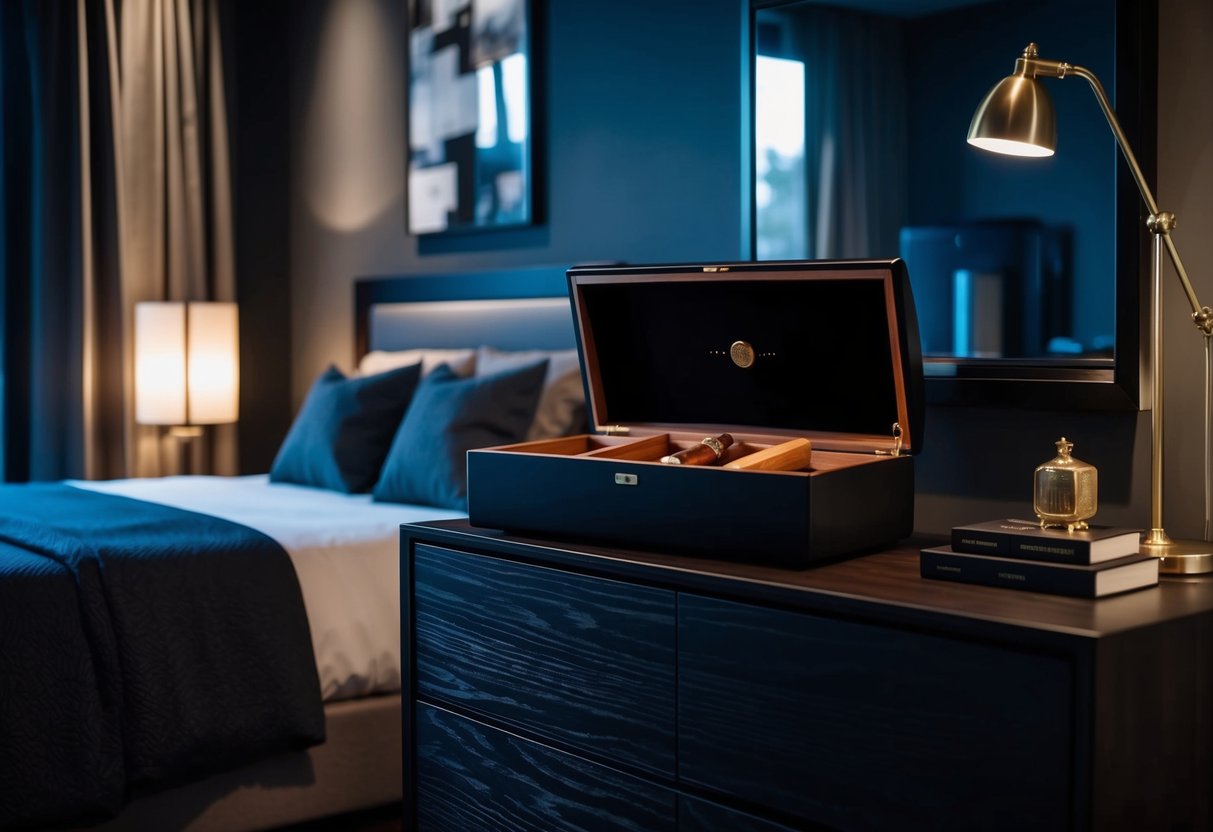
552, 686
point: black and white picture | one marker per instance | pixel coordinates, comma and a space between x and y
469, 115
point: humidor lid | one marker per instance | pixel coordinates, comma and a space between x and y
823, 349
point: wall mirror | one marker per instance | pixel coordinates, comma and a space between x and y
1028, 274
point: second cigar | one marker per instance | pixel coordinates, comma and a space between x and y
708, 452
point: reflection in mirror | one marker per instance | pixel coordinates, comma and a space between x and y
860, 121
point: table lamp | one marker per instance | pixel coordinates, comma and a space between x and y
186, 367
1017, 118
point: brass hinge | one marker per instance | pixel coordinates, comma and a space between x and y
895, 450
618, 430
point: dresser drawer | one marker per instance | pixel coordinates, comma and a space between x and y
695, 815
473, 778
863, 727
586, 662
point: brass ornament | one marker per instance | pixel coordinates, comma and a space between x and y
1065, 489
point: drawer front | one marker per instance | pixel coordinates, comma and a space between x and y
473, 778
696, 815
584, 661
862, 727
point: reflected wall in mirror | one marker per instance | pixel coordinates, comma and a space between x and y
469, 114
1024, 270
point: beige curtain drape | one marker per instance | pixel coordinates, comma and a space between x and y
174, 216
855, 139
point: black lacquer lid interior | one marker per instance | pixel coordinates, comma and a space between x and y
826, 338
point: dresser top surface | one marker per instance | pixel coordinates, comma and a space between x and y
887, 581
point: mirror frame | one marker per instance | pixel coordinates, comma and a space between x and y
1035, 385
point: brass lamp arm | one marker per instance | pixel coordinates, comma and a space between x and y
1159, 222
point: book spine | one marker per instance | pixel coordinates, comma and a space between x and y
1026, 575
1011, 545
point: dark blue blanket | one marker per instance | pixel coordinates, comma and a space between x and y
140, 646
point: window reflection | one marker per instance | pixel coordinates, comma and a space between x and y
860, 121
501, 135
780, 186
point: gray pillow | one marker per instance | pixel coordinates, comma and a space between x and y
427, 463
561, 410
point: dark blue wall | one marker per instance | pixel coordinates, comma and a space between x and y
639, 145
640, 140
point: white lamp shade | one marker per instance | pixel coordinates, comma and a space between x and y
186, 363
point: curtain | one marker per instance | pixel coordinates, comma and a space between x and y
117, 112
855, 138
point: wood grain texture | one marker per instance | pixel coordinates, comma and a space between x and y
695, 815
859, 689
583, 661
650, 447
883, 585
1153, 729
862, 727
472, 778
786, 456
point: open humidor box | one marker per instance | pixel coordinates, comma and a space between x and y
828, 351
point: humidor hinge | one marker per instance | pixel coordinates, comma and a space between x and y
618, 430
895, 449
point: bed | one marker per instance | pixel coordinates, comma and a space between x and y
353, 613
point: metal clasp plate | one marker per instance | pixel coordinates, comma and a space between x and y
627, 479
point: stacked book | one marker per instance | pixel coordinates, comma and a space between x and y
1091, 563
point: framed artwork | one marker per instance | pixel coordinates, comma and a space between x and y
469, 113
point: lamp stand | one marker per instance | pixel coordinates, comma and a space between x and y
1186, 557
185, 436
1016, 117
1183, 557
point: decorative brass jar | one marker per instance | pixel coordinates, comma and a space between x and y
1065, 490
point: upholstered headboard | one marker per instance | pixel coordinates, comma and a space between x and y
510, 309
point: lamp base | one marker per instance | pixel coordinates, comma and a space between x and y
1181, 557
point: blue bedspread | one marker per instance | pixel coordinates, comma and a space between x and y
140, 646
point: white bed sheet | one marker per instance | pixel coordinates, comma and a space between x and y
345, 550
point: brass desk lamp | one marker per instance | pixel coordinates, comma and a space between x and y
1017, 118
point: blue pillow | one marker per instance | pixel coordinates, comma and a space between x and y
344, 429
449, 416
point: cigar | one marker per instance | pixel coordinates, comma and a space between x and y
709, 450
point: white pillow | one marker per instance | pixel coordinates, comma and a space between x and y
561, 409
462, 361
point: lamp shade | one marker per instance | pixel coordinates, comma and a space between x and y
1015, 118
186, 363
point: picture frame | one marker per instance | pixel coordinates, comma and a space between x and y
470, 116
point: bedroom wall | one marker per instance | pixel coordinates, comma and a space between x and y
639, 143
644, 163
